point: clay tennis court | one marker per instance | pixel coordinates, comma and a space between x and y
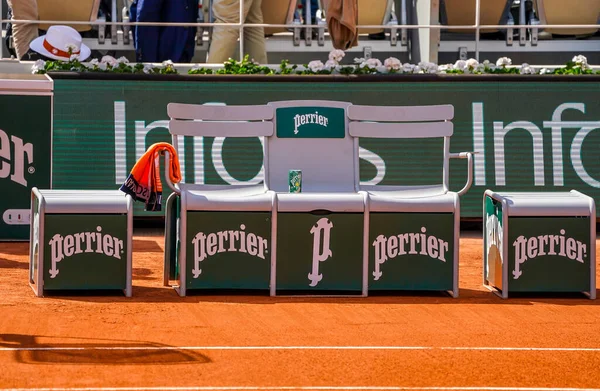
158, 340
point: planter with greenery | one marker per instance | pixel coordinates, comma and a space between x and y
372, 66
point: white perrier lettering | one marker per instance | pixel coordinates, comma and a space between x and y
62, 247
22, 151
226, 241
303, 119
556, 245
407, 243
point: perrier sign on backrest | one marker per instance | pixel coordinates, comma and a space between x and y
25, 149
310, 122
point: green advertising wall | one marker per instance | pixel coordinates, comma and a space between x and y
530, 135
25, 139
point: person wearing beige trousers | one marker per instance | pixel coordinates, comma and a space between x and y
225, 39
23, 33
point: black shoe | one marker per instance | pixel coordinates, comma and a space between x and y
314, 34
34, 56
377, 36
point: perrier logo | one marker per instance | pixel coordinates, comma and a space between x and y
303, 119
62, 247
310, 122
14, 164
321, 233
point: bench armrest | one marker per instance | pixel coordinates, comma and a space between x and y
469, 157
174, 187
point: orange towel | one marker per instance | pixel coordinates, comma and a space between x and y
143, 183
342, 18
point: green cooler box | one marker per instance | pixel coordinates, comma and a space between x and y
217, 250
539, 242
80, 240
320, 252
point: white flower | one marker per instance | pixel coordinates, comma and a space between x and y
316, 65
149, 67
428, 67
472, 63
408, 68
109, 60
336, 55
359, 60
480, 68
102, 66
503, 62
330, 65
526, 69
74, 57
38, 66
371, 63
70, 48
581, 61
460, 65
167, 63
382, 69
392, 63
94, 62
444, 68
123, 60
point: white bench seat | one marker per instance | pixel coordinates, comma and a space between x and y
228, 198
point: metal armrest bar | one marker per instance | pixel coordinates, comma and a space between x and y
469, 157
172, 186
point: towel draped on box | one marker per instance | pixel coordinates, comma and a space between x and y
143, 183
342, 19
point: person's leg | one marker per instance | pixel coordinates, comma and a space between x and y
224, 39
314, 7
23, 34
254, 38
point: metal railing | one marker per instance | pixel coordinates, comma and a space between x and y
477, 27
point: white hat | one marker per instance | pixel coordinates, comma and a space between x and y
57, 42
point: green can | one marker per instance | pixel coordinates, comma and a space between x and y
295, 181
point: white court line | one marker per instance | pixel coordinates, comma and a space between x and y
304, 388
216, 348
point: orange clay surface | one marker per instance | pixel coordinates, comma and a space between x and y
158, 340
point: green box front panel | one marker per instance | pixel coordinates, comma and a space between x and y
228, 250
564, 265
397, 259
320, 252
493, 239
85, 265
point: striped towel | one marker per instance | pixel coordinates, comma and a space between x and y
143, 183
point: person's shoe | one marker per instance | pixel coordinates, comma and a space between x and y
314, 34
377, 36
34, 56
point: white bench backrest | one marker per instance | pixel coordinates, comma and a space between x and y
405, 122
218, 120
328, 164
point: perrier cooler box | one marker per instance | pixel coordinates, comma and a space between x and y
539, 242
80, 240
320, 252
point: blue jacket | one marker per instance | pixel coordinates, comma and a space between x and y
160, 43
